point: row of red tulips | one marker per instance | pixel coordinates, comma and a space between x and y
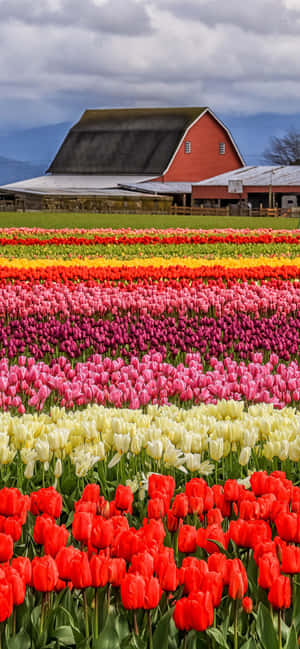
178, 239
56, 273
191, 556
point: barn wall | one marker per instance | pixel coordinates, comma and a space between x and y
126, 204
217, 191
204, 161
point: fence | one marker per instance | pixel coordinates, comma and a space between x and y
142, 207
227, 211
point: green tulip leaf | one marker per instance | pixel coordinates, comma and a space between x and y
292, 640
68, 483
250, 644
19, 641
218, 637
220, 546
265, 628
64, 635
108, 638
161, 633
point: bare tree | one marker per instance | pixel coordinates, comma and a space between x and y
284, 150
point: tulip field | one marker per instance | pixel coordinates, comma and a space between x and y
149, 438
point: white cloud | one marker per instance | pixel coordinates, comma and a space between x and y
60, 56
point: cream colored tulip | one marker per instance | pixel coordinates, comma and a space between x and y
216, 449
42, 450
122, 442
136, 444
29, 471
245, 455
155, 449
193, 461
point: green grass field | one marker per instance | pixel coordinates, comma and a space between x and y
82, 220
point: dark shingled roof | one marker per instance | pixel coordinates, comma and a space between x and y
133, 141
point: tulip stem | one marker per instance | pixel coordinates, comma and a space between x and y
1, 628
86, 614
150, 629
43, 613
96, 630
14, 621
108, 597
279, 629
294, 594
235, 608
135, 624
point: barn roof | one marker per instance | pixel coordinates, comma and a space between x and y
124, 141
74, 185
259, 176
159, 187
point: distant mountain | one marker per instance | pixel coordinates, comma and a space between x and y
13, 170
35, 144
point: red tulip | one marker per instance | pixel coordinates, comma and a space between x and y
124, 498
162, 483
82, 526
11, 501
180, 506
6, 547
201, 610
181, 615
247, 605
44, 573
213, 582
156, 508
18, 585
102, 532
63, 561
269, 569
48, 501
192, 573
91, 493
187, 539
56, 539
217, 563
236, 585
153, 593
205, 538
172, 521
290, 559
142, 564
80, 571
116, 571
13, 527
167, 576
197, 487
133, 591
42, 527
99, 571
214, 517
231, 490
280, 593
6, 600
23, 566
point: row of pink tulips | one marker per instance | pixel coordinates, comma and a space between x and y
137, 383
22, 300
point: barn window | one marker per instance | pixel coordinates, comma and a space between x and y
221, 148
187, 147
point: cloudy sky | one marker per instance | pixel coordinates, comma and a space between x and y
59, 57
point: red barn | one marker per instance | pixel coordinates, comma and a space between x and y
155, 150
168, 144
